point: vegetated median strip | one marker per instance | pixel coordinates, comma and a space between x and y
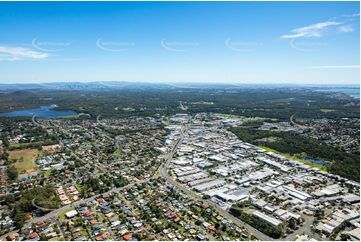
322, 168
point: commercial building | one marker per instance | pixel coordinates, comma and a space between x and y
268, 219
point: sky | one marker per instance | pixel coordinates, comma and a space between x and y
218, 42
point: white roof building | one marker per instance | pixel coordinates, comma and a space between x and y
71, 214
268, 219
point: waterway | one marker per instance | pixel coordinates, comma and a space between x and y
42, 112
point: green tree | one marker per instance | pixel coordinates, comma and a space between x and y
12, 172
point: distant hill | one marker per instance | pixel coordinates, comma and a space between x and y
128, 85
111, 85
84, 86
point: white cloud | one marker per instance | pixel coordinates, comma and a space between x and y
346, 28
351, 15
337, 67
20, 53
313, 30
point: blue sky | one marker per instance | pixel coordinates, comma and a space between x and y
229, 42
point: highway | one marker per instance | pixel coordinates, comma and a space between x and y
163, 168
292, 121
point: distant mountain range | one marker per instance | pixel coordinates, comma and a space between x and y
121, 85
111, 85
79, 86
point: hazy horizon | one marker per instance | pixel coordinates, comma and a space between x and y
187, 82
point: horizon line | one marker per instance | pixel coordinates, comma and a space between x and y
187, 82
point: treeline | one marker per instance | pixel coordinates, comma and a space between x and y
279, 103
12, 172
344, 164
32, 138
32, 145
42, 195
93, 184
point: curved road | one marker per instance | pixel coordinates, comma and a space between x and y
57, 212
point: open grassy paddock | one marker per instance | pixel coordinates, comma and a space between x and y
24, 159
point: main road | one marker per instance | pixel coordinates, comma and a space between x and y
161, 172
167, 158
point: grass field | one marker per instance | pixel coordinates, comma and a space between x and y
322, 168
117, 152
73, 116
47, 173
269, 139
245, 118
326, 110
24, 159
128, 109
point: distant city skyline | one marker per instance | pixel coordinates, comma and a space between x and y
177, 42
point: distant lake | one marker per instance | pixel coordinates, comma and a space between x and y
43, 112
351, 91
